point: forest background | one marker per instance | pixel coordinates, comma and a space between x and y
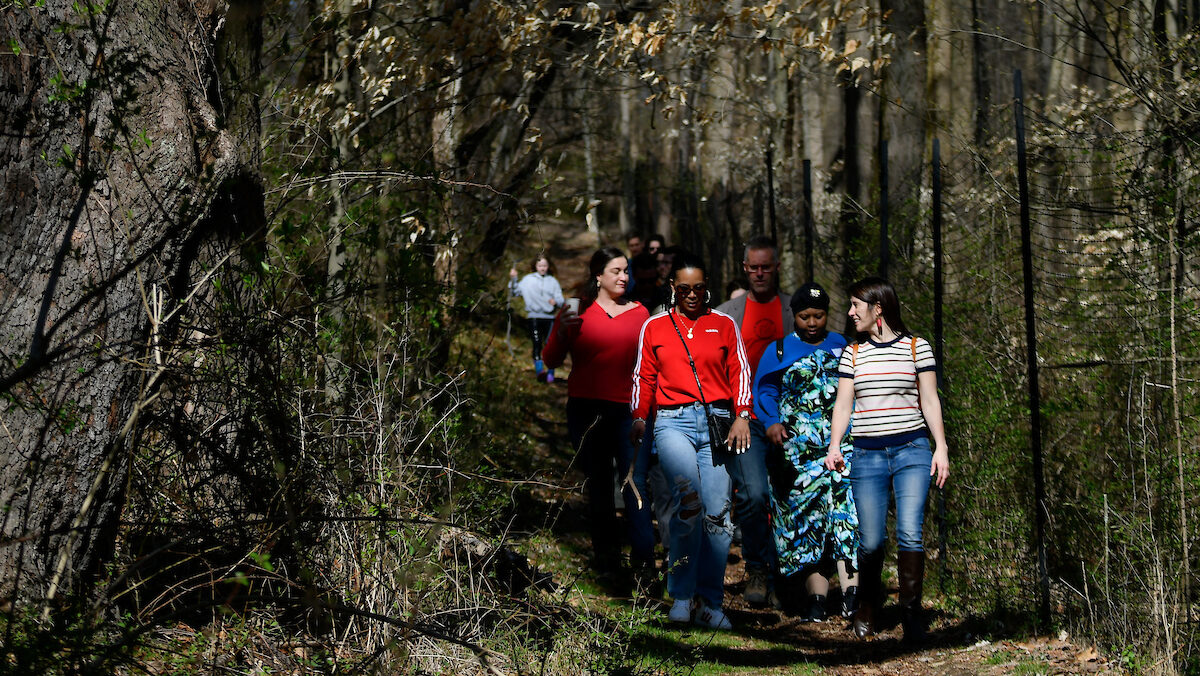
254, 257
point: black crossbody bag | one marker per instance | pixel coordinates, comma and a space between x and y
718, 425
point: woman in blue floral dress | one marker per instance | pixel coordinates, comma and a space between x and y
815, 522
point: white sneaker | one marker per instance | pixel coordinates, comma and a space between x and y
713, 618
681, 611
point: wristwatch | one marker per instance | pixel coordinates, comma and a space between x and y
744, 415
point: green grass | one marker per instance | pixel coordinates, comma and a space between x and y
667, 648
1034, 668
654, 645
1000, 657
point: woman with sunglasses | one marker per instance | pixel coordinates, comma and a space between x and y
887, 380
691, 363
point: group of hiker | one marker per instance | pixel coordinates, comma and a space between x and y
751, 416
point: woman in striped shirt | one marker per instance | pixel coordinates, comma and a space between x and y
888, 380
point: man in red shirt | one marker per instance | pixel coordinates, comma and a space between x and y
763, 316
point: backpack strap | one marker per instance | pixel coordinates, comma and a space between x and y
779, 350
854, 354
913, 341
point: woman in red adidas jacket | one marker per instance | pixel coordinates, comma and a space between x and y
668, 388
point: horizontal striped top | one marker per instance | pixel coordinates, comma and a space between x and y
887, 408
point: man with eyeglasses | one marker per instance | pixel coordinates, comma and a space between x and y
762, 315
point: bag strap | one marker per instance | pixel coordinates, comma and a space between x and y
779, 350
913, 341
853, 354
691, 362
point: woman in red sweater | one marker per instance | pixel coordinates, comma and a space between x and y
691, 362
602, 341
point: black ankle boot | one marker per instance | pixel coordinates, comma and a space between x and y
849, 601
814, 609
870, 596
911, 567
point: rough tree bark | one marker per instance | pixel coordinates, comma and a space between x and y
127, 148
902, 114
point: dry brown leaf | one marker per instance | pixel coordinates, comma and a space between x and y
1088, 654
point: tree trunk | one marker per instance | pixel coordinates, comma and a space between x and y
629, 194
589, 165
903, 127
719, 224
339, 66
126, 149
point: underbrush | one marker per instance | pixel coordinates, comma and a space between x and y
409, 525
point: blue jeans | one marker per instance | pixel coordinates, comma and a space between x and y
600, 433
700, 526
877, 474
752, 500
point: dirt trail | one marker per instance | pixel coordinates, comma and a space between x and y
770, 641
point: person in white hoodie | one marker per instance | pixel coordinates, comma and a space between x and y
543, 298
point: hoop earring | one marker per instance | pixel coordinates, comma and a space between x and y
672, 296
708, 296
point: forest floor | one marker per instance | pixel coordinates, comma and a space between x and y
763, 640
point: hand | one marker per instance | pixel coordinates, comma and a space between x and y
568, 319
637, 432
513, 273
739, 436
777, 433
834, 460
940, 466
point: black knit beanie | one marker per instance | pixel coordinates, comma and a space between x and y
811, 295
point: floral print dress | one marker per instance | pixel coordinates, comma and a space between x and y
817, 515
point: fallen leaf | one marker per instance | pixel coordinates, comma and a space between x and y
1088, 654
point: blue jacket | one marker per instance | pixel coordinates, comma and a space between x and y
768, 378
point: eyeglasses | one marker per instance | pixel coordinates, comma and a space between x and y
684, 289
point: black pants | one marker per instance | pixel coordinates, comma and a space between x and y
539, 331
600, 433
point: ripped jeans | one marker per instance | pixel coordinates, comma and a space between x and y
701, 529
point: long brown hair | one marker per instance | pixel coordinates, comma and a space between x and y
591, 288
550, 268
877, 290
